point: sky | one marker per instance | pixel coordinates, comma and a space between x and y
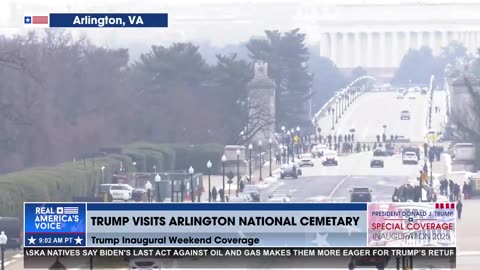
218, 22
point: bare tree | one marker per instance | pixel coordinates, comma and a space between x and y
258, 119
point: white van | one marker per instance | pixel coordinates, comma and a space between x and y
319, 149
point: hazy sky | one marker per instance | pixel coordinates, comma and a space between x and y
216, 21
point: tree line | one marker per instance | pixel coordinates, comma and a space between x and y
61, 97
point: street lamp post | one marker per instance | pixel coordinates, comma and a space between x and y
148, 187
333, 118
224, 158
103, 174
209, 166
3, 242
250, 147
182, 187
238, 170
298, 144
337, 110
155, 168
288, 146
157, 187
134, 173
270, 150
260, 158
192, 194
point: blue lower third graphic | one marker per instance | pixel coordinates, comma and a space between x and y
55, 224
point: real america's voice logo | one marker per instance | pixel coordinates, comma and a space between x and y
55, 218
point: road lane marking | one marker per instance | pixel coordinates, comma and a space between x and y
338, 185
18, 256
6, 263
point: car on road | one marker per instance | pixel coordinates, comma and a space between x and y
330, 159
280, 195
145, 263
405, 115
121, 192
380, 152
410, 158
390, 150
306, 160
319, 149
360, 194
241, 198
12, 227
377, 162
424, 91
400, 96
278, 200
411, 96
289, 170
251, 192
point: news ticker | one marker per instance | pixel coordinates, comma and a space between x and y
324, 257
239, 225
97, 20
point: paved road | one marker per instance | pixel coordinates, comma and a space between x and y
372, 110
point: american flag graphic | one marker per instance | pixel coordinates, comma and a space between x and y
67, 210
36, 19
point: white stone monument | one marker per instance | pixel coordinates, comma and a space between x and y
261, 103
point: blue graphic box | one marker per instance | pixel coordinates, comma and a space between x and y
55, 224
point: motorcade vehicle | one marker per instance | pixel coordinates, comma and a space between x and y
330, 159
377, 162
121, 192
405, 115
280, 194
402, 139
306, 160
318, 150
278, 200
360, 194
104, 189
251, 192
390, 150
290, 170
12, 227
145, 264
411, 148
410, 158
380, 152
423, 91
241, 198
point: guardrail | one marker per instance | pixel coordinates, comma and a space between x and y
337, 96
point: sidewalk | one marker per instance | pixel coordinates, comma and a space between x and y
217, 180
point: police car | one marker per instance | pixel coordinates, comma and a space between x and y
121, 192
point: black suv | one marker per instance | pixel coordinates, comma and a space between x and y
361, 195
376, 162
290, 170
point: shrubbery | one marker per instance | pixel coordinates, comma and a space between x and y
81, 178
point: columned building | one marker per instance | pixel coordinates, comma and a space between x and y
377, 34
